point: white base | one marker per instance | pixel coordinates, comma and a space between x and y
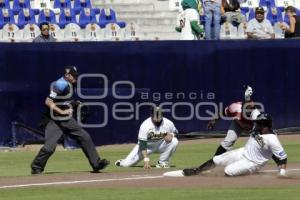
177, 173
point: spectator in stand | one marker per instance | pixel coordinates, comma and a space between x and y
259, 27
232, 13
188, 21
45, 36
212, 11
294, 29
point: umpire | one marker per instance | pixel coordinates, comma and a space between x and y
57, 122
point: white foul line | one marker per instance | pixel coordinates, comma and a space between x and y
100, 180
76, 182
275, 170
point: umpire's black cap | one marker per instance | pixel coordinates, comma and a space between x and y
71, 70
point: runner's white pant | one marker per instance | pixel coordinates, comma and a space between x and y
232, 135
166, 150
235, 163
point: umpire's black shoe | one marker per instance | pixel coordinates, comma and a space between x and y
36, 171
191, 171
101, 165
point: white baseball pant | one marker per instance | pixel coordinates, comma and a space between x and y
166, 150
235, 163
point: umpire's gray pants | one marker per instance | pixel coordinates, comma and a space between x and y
53, 132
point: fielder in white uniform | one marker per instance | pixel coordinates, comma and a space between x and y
262, 144
156, 134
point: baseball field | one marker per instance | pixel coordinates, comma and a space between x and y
67, 176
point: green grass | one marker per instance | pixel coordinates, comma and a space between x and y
187, 155
18, 163
291, 193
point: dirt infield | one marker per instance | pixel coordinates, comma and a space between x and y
153, 178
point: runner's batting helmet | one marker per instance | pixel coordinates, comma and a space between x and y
264, 120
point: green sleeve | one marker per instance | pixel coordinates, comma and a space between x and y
178, 29
196, 28
142, 145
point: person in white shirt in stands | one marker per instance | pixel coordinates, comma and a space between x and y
259, 27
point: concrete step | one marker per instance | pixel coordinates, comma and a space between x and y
151, 21
147, 14
157, 28
153, 17
135, 6
161, 36
123, 1
128, 7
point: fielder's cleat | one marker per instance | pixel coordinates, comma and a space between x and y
191, 172
161, 164
101, 165
118, 163
36, 171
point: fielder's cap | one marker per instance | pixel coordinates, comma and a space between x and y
71, 70
259, 10
156, 113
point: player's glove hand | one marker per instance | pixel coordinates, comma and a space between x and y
248, 93
211, 124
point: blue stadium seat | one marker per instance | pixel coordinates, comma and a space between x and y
6, 17
67, 16
244, 10
79, 4
109, 16
267, 3
26, 16
4, 4
62, 4
251, 14
87, 16
19, 4
47, 15
274, 15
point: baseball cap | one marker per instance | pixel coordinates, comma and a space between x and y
259, 10
71, 70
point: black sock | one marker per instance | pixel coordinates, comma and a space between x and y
276, 160
220, 150
206, 166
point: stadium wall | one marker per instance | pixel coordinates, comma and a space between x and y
187, 76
